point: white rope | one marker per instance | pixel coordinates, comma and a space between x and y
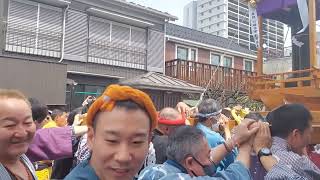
207, 86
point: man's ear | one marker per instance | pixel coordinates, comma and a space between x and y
90, 139
296, 133
188, 162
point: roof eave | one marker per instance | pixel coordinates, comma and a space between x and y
161, 88
139, 7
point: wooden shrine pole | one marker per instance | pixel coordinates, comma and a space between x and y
312, 34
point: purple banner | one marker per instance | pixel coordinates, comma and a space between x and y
276, 9
264, 7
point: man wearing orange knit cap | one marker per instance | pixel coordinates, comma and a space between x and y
120, 124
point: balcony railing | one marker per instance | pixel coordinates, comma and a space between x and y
30, 40
105, 52
200, 74
35, 41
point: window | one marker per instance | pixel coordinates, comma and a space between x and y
210, 11
209, 18
182, 53
248, 65
202, 14
227, 62
215, 59
218, 16
186, 53
218, 7
193, 55
210, 2
29, 34
218, 25
218, 33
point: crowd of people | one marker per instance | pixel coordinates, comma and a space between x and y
121, 136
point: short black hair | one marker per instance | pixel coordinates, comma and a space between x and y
208, 106
39, 110
128, 105
288, 117
255, 116
73, 114
184, 141
55, 113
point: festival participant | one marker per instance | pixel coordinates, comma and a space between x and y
39, 112
120, 125
62, 167
189, 155
17, 135
169, 119
188, 112
209, 111
16, 132
291, 133
59, 119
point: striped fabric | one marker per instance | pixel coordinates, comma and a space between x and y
301, 165
4, 175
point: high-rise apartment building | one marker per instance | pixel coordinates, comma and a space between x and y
230, 19
190, 15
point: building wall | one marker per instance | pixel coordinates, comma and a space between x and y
190, 15
203, 56
211, 17
279, 65
42, 80
89, 37
170, 51
238, 62
96, 46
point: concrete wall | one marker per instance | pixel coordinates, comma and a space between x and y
42, 80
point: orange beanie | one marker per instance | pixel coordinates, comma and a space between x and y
114, 93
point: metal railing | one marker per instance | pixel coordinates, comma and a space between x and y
106, 52
34, 41
30, 40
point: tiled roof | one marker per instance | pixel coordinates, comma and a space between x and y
205, 38
158, 81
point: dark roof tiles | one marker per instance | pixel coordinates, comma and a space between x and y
158, 81
205, 38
